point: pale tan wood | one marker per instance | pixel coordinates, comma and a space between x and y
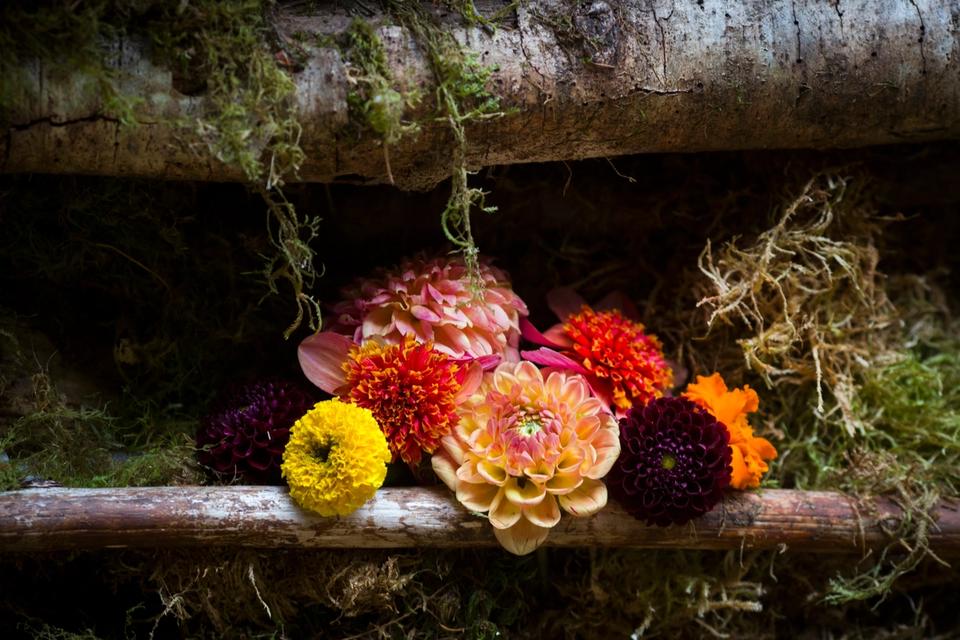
641, 76
46, 519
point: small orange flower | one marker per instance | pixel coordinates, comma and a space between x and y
750, 453
412, 390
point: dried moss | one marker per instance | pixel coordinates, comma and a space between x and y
808, 295
817, 323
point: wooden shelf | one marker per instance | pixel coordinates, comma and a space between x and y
266, 517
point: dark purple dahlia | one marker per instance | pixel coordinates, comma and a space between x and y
674, 462
247, 429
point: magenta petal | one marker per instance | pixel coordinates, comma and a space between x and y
322, 356
550, 358
532, 334
565, 302
488, 363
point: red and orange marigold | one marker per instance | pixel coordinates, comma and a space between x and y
624, 365
411, 389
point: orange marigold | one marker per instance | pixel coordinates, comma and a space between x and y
412, 390
750, 453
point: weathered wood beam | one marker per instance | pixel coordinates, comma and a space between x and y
47, 519
583, 79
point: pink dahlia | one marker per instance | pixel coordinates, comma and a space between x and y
624, 365
434, 300
527, 447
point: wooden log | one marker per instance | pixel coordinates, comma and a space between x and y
266, 517
578, 80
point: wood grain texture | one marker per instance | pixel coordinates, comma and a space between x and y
579, 80
266, 517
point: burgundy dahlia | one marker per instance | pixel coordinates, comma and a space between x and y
248, 427
674, 464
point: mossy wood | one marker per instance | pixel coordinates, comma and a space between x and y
45, 519
573, 80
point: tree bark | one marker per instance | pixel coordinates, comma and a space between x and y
47, 519
578, 79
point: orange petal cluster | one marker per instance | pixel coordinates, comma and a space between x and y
750, 453
624, 364
526, 448
411, 389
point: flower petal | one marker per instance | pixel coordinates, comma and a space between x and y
607, 445
445, 468
618, 301
550, 358
322, 356
476, 497
529, 494
454, 449
565, 302
544, 514
586, 499
504, 513
472, 377
563, 483
492, 473
532, 334
522, 538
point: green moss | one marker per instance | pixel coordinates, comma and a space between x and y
217, 48
251, 122
461, 98
372, 99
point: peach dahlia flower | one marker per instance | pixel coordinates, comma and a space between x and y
527, 447
433, 300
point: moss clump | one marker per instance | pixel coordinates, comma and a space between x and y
808, 295
461, 98
218, 49
250, 123
68, 38
816, 321
373, 100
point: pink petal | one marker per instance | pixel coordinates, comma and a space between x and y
423, 313
550, 358
322, 356
378, 322
565, 302
488, 363
473, 376
532, 334
522, 538
585, 500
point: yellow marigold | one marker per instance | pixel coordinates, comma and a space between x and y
336, 458
750, 453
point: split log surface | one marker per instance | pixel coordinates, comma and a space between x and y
47, 519
580, 79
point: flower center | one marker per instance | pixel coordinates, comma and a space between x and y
321, 453
530, 428
668, 462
